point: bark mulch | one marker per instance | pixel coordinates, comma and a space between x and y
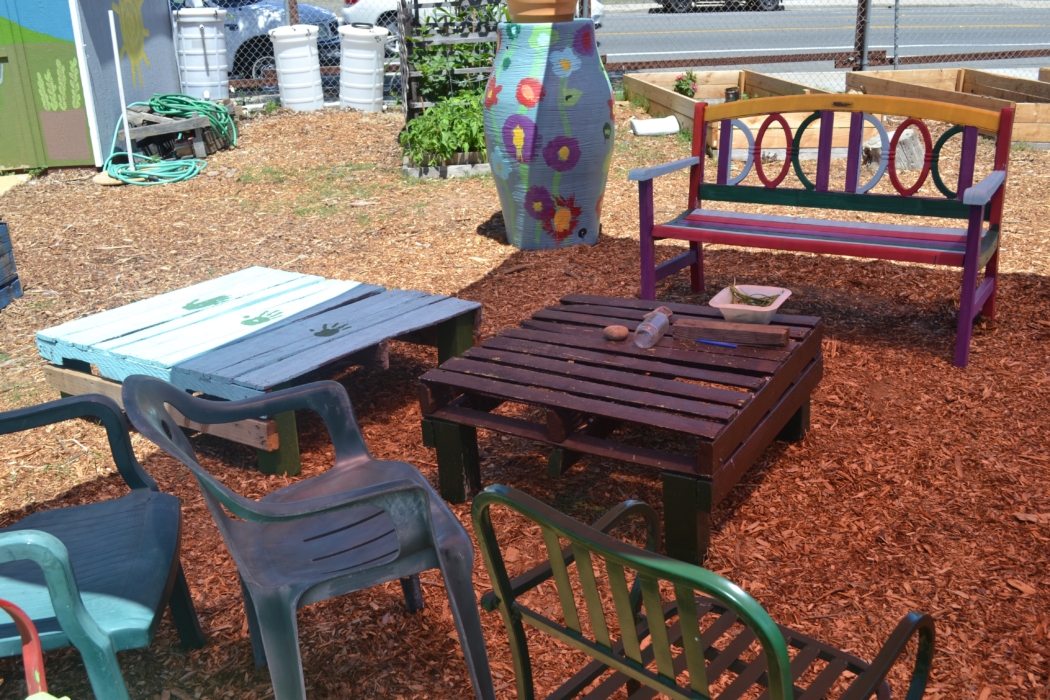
920, 486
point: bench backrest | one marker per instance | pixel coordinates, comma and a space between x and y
592, 553
855, 195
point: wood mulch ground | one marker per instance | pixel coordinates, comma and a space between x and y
920, 486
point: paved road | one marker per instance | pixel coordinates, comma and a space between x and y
636, 33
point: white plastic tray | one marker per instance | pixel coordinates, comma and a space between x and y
745, 313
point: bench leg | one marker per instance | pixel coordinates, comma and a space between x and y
459, 470
969, 290
285, 459
560, 461
797, 426
696, 270
991, 273
687, 516
455, 336
648, 251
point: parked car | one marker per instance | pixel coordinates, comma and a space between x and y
690, 5
248, 22
383, 13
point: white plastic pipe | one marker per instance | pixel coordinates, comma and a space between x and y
655, 127
120, 88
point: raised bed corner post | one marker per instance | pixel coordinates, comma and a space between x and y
860, 40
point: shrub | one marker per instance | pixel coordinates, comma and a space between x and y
686, 84
451, 126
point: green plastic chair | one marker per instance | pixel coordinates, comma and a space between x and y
361, 523
96, 576
718, 653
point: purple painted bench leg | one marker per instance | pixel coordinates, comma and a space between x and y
969, 289
696, 270
648, 253
991, 275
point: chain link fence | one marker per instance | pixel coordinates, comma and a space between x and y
816, 42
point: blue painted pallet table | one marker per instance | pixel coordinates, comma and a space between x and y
10, 287
249, 333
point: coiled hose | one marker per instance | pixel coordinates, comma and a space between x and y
153, 171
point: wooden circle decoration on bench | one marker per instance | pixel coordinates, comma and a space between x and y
776, 117
796, 147
926, 141
936, 158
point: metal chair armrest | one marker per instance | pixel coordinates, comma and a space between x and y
96, 406
910, 624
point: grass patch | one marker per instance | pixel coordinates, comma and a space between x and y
1021, 146
266, 174
640, 101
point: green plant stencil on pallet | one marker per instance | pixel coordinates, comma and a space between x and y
61, 91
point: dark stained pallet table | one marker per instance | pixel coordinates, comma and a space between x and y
732, 402
247, 334
10, 287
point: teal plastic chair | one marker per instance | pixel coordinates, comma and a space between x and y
96, 576
362, 523
708, 639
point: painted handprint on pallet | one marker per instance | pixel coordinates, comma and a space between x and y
198, 304
326, 331
264, 317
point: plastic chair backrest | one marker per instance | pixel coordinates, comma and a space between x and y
590, 546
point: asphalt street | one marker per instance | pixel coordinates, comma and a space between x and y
640, 31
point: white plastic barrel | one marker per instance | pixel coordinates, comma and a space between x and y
361, 66
298, 67
201, 46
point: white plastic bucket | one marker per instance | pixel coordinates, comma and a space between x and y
298, 67
361, 66
201, 47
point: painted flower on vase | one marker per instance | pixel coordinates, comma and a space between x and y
612, 115
492, 93
570, 96
566, 216
564, 62
562, 153
542, 37
607, 131
539, 204
530, 92
583, 42
519, 137
513, 30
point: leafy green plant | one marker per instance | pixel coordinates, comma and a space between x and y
438, 63
449, 127
640, 101
685, 84
61, 91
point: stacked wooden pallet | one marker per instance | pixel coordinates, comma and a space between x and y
156, 134
10, 287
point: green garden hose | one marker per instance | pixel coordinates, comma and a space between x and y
153, 171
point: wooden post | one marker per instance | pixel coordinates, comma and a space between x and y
459, 473
687, 516
860, 40
285, 459
456, 335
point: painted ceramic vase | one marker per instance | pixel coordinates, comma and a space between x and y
549, 131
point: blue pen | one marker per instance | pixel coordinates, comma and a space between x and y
716, 342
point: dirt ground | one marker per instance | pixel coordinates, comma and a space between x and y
920, 486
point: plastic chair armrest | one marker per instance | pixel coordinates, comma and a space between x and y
982, 193
51, 555
105, 409
866, 684
643, 174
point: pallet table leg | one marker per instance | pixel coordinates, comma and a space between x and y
797, 426
285, 459
459, 470
455, 336
687, 516
560, 460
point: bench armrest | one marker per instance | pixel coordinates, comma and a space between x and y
911, 624
982, 193
642, 174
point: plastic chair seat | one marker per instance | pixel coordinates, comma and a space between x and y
122, 553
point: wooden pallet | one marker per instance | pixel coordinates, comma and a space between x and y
250, 333
10, 287
730, 403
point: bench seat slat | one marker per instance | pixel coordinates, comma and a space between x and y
939, 246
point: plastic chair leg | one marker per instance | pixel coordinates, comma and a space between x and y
183, 613
253, 627
413, 593
280, 637
457, 564
104, 673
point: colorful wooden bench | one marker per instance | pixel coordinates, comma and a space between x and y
972, 247
247, 334
10, 287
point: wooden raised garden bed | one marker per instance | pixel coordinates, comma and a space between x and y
971, 88
663, 101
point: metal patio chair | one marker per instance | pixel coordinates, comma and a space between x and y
96, 576
362, 523
722, 638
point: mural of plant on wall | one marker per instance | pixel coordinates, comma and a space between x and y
61, 91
